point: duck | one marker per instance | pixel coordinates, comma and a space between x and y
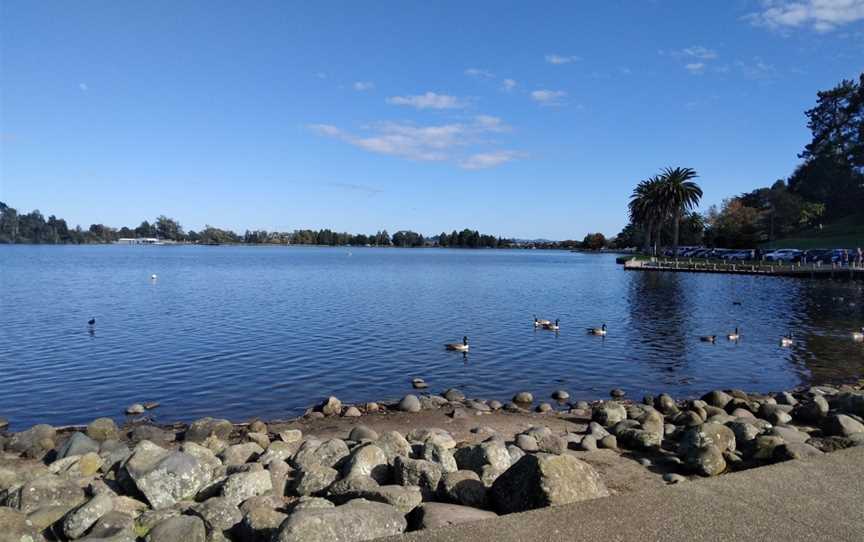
540, 322
597, 330
858, 335
552, 326
787, 340
708, 338
734, 336
91, 322
459, 347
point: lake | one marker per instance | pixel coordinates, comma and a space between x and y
240, 332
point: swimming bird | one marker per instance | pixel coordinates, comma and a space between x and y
734, 336
787, 340
708, 338
459, 347
153, 276
597, 330
858, 335
540, 322
91, 322
552, 326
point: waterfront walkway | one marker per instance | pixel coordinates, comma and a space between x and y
779, 269
817, 499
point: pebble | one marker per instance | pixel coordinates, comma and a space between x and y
419, 384
150, 405
137, 408
544, 407
352, 412
523, 397
560, 395
672, 478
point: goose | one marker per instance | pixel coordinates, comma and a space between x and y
858, 335
786, 340
734, 336
91, 322
459, 347
597, 330
540, 322
708, 338
552, 326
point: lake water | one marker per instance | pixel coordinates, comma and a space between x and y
239, 332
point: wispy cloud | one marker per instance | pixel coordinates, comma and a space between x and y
436, 143
321, 75
548, 97
83, 87
561, 59
508, 85
820, 15
756, 68
485, 160
354, 187
362, 86
477, 72
696, 68
430, 100
700, 52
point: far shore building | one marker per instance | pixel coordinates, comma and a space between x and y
138, 241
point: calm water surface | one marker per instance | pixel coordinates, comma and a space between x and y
266, 331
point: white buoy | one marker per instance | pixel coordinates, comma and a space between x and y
153, 276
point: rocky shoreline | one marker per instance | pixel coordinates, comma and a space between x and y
359, 472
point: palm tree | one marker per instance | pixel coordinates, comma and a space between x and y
680, 194
647, 208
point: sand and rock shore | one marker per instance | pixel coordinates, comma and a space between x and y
359, 472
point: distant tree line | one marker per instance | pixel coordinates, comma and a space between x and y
33, 228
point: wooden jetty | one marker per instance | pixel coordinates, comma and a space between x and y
775, 269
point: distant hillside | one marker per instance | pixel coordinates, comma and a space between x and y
844, 233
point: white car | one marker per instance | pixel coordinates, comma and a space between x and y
784, 255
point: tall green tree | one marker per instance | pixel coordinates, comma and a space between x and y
647, 208
680, 194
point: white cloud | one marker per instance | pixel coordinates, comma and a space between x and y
485, 160
548, 97
821, 15
83, 87
361, 86
430, 100
702, 53
508, 84
696, 68
436, 143
477, 72
756, 68
559, 59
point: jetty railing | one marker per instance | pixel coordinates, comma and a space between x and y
852, 270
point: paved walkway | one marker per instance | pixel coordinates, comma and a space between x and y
819, 499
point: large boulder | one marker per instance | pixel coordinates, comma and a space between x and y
77, 444
201, 429
436, 453
219, 514
238, 454
706, 434
418, 472
16, 527
434, 515
403, 498
46, 490
464, 487
325, 454
850, 403
102, 429
812, 411
239, 487
543, 480
34, 442
357, 520
85, 516
717, 398
260, 522
410, 403
177, 529
608, 413
707, 460
841, 425
479, 456
165, 477
330, 406
368, 460
314, 479
113, 527
393, 444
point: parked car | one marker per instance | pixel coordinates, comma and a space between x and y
817, 255
738, 255
784, 255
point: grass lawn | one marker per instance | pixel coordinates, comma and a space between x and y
845, 233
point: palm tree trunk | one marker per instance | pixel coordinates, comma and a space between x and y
650, 227
677, 219
658, 239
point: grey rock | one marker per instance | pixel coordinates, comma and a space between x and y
103, 429
672, 478
436, 453
608, 413
850, 402
82, 518
418, 472
46, 490
154, 434
135, 409
524, 398
239, 487
617, 393
34, 442
486, 453
314, 479
410, 403
145, 522
707, 434
588, 443
665, 404
560, 395
790, 434
260, 523
543, 480
774, 414
786, 398
744, 432
279, 473
361, 432
639, 439
609, 442
178, 528
544, 407
434, 515
352, 412
464, 487
403, 498
764, 446
393, 444
202, 454
357, 520
495, 405
165, 477
327, 454
717, 398
278, 451
453, 394
201, 429
113, 527
707, 460
527, 443
16, 527
310, 503
812, 411
795, 450
368, 460
841, 425
552, 444
218, 514
515, 452
331, 406
239, 454
597, 431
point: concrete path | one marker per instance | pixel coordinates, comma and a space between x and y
818, 499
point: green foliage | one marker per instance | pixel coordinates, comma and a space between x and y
594, 241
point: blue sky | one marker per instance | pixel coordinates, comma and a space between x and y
522, 119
